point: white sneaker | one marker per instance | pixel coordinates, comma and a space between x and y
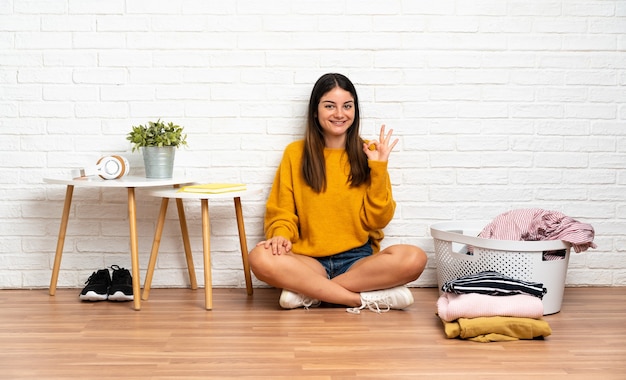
291, 300
381, 301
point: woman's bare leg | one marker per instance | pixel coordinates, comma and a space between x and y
393, 266
300, 274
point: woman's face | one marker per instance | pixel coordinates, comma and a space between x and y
335, 113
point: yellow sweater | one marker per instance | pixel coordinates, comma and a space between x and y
333, 221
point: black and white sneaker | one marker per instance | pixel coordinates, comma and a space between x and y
121, 288
97, 288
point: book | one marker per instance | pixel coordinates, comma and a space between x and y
213, 188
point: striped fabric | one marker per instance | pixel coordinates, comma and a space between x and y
538, 224
493, 283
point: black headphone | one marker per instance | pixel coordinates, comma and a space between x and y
112, 167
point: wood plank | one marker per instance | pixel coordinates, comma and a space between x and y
173, 336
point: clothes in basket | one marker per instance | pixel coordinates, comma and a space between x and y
539, 224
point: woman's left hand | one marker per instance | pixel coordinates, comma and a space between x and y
381, 148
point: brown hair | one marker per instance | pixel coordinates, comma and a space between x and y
313, 164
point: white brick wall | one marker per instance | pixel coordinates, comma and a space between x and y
498, 104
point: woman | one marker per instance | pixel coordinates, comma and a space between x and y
330, 200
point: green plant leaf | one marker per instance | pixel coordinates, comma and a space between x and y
157, 134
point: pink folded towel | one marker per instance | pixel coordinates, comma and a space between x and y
452, 306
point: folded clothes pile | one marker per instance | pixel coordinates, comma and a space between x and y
489, 306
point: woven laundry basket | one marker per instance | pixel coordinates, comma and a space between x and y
537, 261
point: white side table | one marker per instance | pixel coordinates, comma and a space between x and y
129, 182
204, 198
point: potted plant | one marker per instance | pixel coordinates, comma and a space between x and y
158, 142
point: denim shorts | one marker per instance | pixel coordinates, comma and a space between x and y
339, 263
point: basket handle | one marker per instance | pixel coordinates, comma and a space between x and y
449, 231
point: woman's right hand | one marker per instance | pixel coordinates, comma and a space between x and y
277, 244
380, 150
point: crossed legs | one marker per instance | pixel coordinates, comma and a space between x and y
393, 266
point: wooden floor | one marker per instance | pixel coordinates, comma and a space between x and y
173, 337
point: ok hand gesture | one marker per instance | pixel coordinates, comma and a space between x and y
379, 150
